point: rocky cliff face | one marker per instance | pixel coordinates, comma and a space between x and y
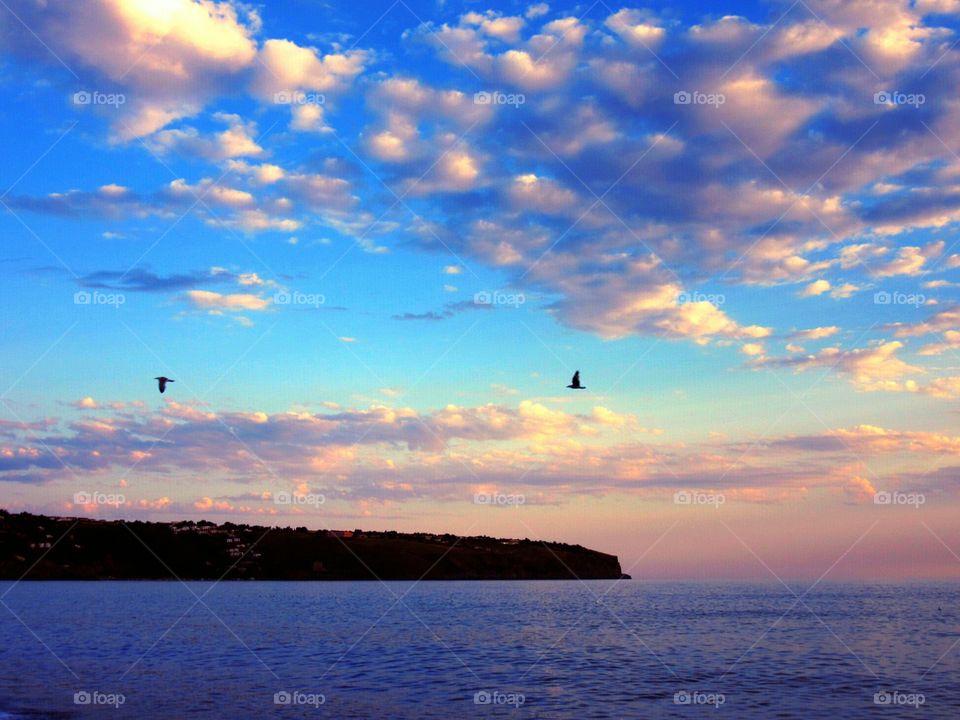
85, 549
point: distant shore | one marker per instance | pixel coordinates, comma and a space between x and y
40, 547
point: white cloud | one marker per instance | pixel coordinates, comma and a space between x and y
209, 300
817, 287
285, 67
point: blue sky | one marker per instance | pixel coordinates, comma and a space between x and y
738, 220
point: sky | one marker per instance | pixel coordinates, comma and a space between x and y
371, 242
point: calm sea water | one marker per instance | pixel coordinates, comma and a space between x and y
480, 649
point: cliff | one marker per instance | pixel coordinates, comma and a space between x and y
85, 549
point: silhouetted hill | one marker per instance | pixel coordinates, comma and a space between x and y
47, 548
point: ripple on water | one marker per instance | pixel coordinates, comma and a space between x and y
569, 655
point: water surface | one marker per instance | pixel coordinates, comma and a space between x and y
598, 649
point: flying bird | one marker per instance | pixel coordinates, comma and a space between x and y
575, 383
162, 382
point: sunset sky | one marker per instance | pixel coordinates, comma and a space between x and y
371, 242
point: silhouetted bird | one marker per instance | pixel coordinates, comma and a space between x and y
575, 383
162, 382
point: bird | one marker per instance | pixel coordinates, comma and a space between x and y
575, 383
162, 382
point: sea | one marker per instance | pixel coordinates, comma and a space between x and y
539, 649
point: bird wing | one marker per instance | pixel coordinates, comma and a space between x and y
576, 378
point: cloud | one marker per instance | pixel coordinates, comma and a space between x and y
235, 207
795, 177
274, 199
237, 141
945, 388
945, 324
939, 321
817, 287
951, 341
468, 44
910, 260
874, 440
869, 369
780, 179
308, 118
872, 369
285, 67
536, 10
636, 28
263, 174
142, 280
169, 63
531, 193
449, 310
494, 25
843, 291
643, 301
817, 333
209, 300
401, 454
